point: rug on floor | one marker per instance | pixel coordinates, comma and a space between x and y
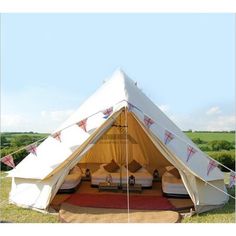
116, 201
76, 214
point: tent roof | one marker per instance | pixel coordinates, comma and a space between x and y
116, 92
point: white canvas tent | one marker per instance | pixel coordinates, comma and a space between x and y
36, 180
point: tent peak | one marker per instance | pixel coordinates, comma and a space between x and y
120, 75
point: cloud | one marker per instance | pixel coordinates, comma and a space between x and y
213, 111
59, 115
221, 123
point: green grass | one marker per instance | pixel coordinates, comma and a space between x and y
221, 215
210, 136
12, 213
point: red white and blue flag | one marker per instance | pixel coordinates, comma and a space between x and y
211, 166
168, 137
148, 121
107, 112
232, 179
57, 136
130, 107
8, 160
83, 124
32, 149
190, 152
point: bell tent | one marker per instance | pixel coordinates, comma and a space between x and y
117, 122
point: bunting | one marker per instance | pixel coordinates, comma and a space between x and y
8, 160
83, 124
130, 107
148, 121
57, 136
232, 179
32, 149
211, 166
168, 136
107, 112
190, 152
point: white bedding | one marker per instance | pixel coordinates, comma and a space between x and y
72, 179
172, 185
142, 176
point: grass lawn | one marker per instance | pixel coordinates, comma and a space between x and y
16, 214
230, 137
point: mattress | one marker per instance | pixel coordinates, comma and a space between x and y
172, 185
142, 176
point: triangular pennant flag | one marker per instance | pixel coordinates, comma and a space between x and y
107, 112
83, 124
8, 160
130, 107
32, 149
148, 121
168, 136
57, 136
190, 152
232, 179
211, 166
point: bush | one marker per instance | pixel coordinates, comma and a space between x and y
204, 147
218, 145
225, 158
23, 140
198, 141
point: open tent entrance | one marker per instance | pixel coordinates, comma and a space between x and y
124, 142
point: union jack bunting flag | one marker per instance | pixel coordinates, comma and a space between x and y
107, 112
148, 121
57, 136
190, 152
130, 107
168, 136
32, 149
211, 166
8, 160
232, 179
83, 124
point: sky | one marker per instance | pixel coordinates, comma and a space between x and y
50, 63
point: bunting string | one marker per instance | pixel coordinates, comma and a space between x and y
149, 122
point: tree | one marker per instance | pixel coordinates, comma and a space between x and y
4, 141
23, 140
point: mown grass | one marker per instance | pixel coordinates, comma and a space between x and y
14, 214
210, 136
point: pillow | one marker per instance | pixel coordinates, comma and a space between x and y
111, 167
75, 170
175, 172
134, 166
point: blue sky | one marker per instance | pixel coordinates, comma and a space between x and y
50, 63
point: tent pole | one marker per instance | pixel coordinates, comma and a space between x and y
127, 160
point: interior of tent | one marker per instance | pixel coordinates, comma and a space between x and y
124, 162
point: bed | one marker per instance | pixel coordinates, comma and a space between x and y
72, 180
142, 176
173, 186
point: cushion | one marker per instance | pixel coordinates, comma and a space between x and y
134, 166
75, 170
175, 172
111, 167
